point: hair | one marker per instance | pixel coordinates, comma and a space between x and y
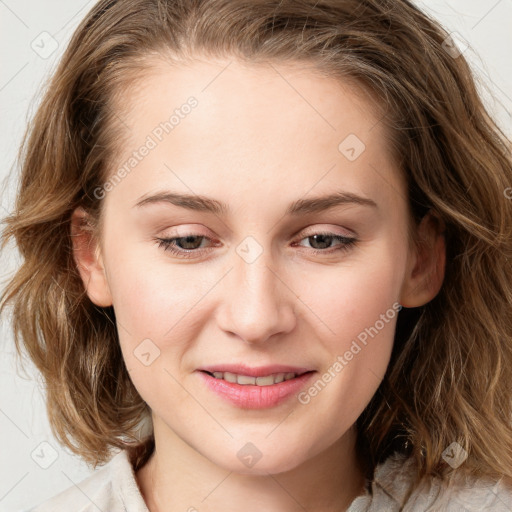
450, 370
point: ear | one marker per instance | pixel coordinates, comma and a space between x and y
87, 256
426, 264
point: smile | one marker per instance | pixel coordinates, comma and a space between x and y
244, 380
248, 392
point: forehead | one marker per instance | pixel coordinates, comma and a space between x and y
265, 125
227, 88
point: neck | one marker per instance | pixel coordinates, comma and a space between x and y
178, 477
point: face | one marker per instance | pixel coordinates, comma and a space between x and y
254, 267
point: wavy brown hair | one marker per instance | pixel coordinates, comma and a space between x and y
450, 373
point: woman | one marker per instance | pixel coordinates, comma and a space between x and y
277, 231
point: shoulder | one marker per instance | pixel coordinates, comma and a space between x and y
113, 488
388, 489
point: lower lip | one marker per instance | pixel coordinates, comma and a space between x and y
256, 397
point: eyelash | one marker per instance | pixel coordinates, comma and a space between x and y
167, 244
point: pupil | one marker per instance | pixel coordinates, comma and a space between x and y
327, 239
188, 240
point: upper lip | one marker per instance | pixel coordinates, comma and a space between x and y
258, 371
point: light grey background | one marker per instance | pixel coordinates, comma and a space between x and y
485, 25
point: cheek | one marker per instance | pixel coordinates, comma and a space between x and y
352, 297
151, 295
357, 306
154, 307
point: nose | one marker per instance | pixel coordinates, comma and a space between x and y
257, 302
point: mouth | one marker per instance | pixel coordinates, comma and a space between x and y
251, 380
264, 390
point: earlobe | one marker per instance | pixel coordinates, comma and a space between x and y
425, 274
88, 259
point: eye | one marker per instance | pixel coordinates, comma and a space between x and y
192, 246
184, 246
323, 242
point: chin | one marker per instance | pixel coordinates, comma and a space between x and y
261, 464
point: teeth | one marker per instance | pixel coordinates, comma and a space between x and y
230, 377
267, 380
243, 379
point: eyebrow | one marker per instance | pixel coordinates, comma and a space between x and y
297, 208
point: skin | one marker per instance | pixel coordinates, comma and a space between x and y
258, 144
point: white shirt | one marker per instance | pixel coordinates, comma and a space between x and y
113, 488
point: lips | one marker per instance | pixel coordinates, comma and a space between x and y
247, 396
